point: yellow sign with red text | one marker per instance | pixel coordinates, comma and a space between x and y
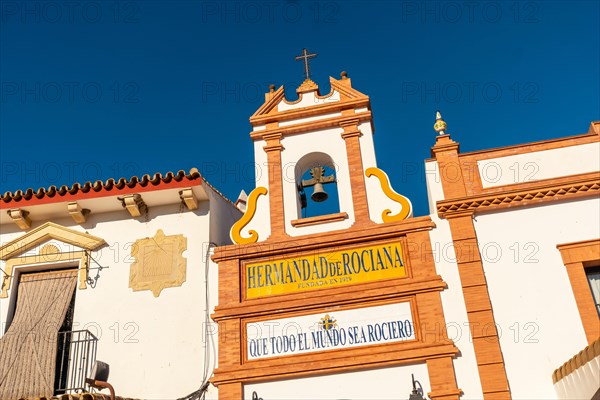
327, 270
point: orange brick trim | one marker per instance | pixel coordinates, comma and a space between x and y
584, 186
318, 241
490, 362
351, 136
422, 287
591, 137
233, 390
273, 150
577, 257
340, 296
451, 163
298, 113
430, 343
320, 219
309, 365
310, 126
442, 379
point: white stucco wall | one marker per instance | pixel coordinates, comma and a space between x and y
155, 346
539, 165
223, 215
435, 192
534, 307
381, 384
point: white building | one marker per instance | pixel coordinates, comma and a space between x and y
123, 265
522, 269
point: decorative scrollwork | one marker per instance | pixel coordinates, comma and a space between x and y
236, 229
386, 215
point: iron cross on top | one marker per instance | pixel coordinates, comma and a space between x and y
305, 57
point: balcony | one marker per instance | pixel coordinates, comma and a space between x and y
75, 357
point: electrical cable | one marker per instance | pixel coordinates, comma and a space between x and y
209, 345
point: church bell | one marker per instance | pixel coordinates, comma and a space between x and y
319, 194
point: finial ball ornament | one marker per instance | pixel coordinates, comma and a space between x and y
344, 74
440, 125
271, 87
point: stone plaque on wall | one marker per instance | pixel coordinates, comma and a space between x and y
159, 263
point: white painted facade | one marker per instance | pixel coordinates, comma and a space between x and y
385, 384
539, 165
156, 347
537, 318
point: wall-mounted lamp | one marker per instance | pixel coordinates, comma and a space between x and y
99, 378
416, 394
318, 180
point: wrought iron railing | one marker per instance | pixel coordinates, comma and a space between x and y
76, 353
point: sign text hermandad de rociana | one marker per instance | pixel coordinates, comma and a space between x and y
319, 271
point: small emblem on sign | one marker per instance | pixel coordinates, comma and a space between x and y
327, 322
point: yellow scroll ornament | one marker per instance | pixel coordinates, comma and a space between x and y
236, 229
386, 215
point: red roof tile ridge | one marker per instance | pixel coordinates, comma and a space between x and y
97, 186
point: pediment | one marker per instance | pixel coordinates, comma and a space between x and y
346, 93
45, 233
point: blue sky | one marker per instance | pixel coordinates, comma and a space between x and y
99, 89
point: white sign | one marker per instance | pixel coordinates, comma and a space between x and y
330, 330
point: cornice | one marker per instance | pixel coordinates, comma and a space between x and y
311, 126
333, 361
542, 145
318, 240
304, 112
585, 185
383, 290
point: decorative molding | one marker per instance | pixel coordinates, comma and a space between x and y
577, 257
47, 254
20, 217
320, 219
275, 147
78, 214
384, 181
579, 360
316, 241
159, 263
134, 204
45, 232
349, 98
307, 86
189, 198
312, 125
533, 195
542, 145
236, 229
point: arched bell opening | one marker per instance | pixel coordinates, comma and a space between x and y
316, 183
